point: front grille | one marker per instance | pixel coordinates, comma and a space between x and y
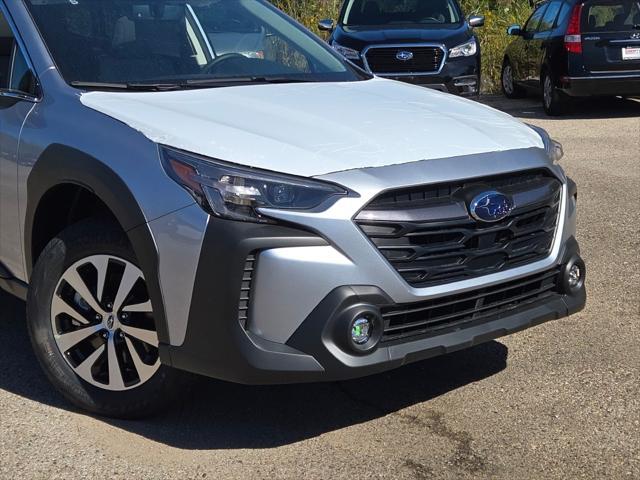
245, 289
455, 312
383, 60
428, 236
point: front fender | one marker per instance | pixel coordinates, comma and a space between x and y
61, 164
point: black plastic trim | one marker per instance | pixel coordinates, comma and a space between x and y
60, 164
216, 344
572, 187
12, 285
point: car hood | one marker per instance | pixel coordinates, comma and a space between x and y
317, 128
447, 34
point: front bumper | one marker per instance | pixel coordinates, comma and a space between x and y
459, 76
312, 267
218, 345
624, 84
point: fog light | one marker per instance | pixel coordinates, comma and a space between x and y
575, 276
465, 82
574, 272
361, 331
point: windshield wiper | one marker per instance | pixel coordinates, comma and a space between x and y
186, 84
220, 82
142, 87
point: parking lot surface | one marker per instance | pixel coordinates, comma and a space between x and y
561, 400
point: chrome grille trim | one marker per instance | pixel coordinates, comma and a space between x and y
443, 48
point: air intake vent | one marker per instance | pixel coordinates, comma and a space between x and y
455, 312
245, 290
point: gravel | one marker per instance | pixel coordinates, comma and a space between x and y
558, 401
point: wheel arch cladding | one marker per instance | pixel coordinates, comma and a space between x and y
59, 166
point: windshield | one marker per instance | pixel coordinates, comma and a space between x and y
186, 42
401, 12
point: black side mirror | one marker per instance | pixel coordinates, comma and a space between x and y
515, 30
326, 25
476, 21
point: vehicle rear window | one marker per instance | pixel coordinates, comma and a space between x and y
611, 16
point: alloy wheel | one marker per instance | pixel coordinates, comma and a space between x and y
507, 79
103, 323
547, 91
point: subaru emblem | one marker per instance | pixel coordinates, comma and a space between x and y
404, 56
635, 36
491, 206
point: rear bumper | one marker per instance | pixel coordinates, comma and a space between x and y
609, 85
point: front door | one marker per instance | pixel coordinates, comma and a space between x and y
17, 98
531, 45
539, 42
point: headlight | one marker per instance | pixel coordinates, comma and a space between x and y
554, 149
346, 52
237, 193
465, 50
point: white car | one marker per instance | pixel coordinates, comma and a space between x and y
273, 218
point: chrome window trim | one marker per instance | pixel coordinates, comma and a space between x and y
201, 30
629, 40
632, 74
20, 96
441, 46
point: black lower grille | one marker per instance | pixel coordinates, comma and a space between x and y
429, 237
245, 290
455, 312
385, 60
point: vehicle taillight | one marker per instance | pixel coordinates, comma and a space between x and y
573, 37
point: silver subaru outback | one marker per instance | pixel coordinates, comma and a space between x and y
204, 186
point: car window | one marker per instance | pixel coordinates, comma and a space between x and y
400, 12
15, 73
548, 19
565, 11
534, 20
147, 41
611, 16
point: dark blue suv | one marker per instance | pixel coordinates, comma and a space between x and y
424, 42
573, 48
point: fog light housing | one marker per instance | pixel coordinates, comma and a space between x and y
466, 85
361, 330
573, 277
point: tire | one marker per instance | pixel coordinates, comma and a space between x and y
554, 101
509, 88
77, 367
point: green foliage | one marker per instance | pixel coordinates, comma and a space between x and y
493, 37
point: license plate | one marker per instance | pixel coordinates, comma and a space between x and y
631, 53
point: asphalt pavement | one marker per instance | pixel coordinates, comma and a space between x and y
561, 400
